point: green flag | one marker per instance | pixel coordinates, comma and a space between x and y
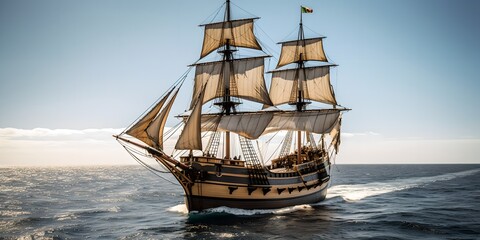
306, 10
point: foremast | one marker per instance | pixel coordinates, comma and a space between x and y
303, 83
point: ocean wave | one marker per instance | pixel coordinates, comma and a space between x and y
6, 225
114, 209
11, 213
65, 216
41, 233
12, 189
87, 212
356, 192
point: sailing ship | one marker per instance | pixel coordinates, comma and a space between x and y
203, 162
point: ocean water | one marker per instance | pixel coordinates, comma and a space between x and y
129, 202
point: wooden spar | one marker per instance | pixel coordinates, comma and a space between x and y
156, 152
299, 147
227, 145
227, 59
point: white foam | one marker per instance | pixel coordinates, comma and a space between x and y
65, 216
226, 235
238, 211
114, 209
356, 192
303, 207
249, 212
180, 208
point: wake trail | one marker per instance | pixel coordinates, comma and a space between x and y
356, 192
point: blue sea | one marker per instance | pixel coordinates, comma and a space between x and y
129, 202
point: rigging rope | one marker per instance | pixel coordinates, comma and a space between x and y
312, 30
179, 81
216, 14
148, 167
171, 131
253, 15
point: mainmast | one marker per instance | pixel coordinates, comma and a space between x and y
300, 103
231, 79
227, 105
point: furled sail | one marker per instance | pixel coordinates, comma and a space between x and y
138, 130
309, 49
315, 85
247, 76
252, 125
156, 127
238, 32
191, 138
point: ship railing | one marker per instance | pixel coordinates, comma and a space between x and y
213, 160
309, 166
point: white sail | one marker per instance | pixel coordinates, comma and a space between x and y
247, 76
156, 127
309, 49
315, 121
138, 130
238, 32
191, 138
315, 85
252, 125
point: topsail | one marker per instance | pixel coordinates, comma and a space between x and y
238, 33
306, 50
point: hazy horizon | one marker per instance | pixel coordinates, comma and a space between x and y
63, 147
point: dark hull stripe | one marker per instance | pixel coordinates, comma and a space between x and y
197, 203
273, 181
209, 167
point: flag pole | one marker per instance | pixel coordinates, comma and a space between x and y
301, 14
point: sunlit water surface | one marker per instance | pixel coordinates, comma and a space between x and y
364, 202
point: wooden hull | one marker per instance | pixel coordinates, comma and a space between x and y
229, 184
268, 201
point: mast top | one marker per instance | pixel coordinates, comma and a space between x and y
227, 11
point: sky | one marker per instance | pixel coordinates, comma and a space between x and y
72, 73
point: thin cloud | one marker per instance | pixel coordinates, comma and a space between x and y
40, 134
346, 134
54, 147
